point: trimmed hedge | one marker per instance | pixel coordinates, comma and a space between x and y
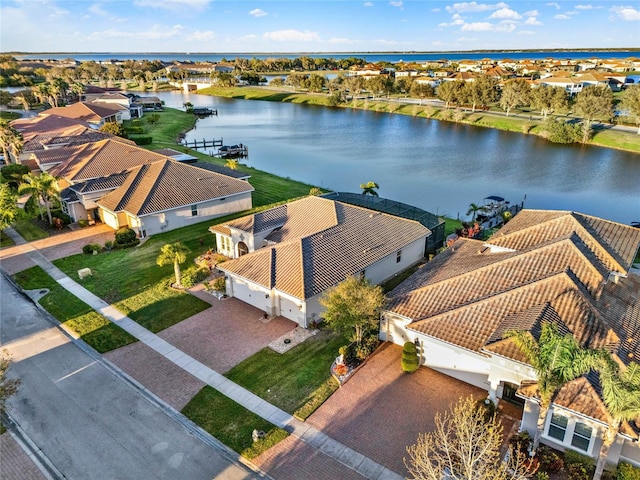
627, 471
409, 358
143, 140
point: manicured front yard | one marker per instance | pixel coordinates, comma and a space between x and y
30, 231
231, 423
91, 327
298, 381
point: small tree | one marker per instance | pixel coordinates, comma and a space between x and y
353, 304
175, 253
315, 191
591, 103
465, 445
631, 103
370, 188
114, 128
232, 163
515, 93
409, 362
7, 386
8, 206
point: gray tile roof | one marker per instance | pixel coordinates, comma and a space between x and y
320, 243
166, 184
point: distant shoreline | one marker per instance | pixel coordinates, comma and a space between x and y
372, 52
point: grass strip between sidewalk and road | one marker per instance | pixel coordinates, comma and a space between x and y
30, 231
73, 313
231, 423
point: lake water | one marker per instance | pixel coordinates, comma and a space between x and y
438, 166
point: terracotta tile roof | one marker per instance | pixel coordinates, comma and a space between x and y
613, 243
102, 158
322, 243
47, 148
88, 112
109, 182
53, 125
166, 184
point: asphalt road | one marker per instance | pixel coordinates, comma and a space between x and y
87, 420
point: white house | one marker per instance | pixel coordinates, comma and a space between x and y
542, 266
285, 258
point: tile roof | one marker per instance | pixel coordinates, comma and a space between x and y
167, 184
320, 243
100, 159
45, 146
88, 112
48, 125
613, 243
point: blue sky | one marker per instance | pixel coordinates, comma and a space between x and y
243, 26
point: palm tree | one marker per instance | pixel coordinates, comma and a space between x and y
232, 163
557, 359
42, 189
369, 188
10, 141
621, 396
474, 209
175, 253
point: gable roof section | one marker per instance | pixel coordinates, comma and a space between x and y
166, 184
322, 243
87, 112
100, 159
613, 243
48, 125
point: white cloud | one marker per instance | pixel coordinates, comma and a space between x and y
435, 9
97, 9
257, 12
157, 32
562, 17
465, 7
626, 13
531, 13
396, 3
553, 4
532, 21
341, 41
367, 4
505, 27
292, 36
198, 36
173, 4
456, 19
526, 32
583, 7
505, 13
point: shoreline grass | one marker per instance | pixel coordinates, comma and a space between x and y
525, 124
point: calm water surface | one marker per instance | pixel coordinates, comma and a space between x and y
438, 166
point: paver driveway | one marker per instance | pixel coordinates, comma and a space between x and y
381, 410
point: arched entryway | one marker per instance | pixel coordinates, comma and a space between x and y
242, 249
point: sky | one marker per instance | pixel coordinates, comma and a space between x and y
295, 26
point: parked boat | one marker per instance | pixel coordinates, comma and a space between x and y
233, 151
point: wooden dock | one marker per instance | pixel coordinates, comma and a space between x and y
196, 144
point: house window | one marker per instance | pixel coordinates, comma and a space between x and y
398, 256
558, 427
194, 210
581, 436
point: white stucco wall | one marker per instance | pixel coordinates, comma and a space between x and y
388, 266
182, 217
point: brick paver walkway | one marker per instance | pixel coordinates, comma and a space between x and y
381, 410
14, 259
158, 375
15, 464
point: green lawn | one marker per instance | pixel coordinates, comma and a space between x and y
231, 423
4, 115
92, 327
30, 231
5, 240
297, 381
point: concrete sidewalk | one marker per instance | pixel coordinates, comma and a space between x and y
301, 430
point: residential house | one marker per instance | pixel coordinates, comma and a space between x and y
285, 258
433, 81
92, 113
543, 266
571, 85
460, 76
165, 195
469, 66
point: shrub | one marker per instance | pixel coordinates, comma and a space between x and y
108, 245
409, 360
578, 466
83, 223
193, 275
367, 347
153, 118
348, 353
542, 475
487, 407
90, 248
66, 219
559, 131
550, 460
136, 123
521, 442
135, 130
143, 140
627, 471
220, 284
125, 235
